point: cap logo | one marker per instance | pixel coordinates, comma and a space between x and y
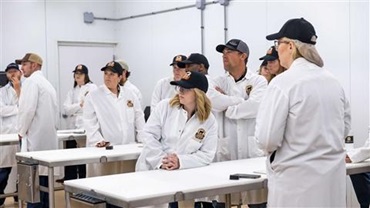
248, 89
178, 58
233, 43
200, 134
111, 64
269, 52
186, 76
79, 67
130, 104
313, 38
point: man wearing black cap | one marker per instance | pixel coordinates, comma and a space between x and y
37, 116
302, 123
237, 122
195, 62
8, 122
272, 60
163, 89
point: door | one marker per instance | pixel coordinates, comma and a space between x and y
93, 55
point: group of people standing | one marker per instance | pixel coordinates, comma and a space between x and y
294, 112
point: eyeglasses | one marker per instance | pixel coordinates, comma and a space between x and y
182, 90
278, 42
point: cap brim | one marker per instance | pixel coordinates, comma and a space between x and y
18, 61
220, 48
181, 83
274, 36
262, 58
109, 68
270, 58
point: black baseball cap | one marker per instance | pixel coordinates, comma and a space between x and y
271, 54
192, 80
177, 59
234, 44
12, 66
298, 29
194, 58
114, 67
81, 68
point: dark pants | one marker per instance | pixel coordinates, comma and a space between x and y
74, 171
44, 196
4, 176
361, 184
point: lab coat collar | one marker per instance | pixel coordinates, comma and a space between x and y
108, 92
247, 75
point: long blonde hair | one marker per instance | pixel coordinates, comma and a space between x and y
203, 104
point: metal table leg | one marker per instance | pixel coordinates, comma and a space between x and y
67, 199
51, 187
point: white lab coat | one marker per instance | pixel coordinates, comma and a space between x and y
235, 112
135, 90
8, 124
360, 154
304, 119
237, 123
162, 90
108, 118
72, 106
169, 131
38, 114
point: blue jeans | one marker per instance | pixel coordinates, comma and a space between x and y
44, 196
361, 184
4, 176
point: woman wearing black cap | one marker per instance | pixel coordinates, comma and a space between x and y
302, 123
73, 106
181, 132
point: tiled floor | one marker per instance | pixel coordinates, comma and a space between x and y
59, 201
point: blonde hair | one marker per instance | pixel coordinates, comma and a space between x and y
203, 104
307, 51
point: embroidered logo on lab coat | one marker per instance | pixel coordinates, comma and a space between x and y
200, 134
130, 104
186, 76
248, 89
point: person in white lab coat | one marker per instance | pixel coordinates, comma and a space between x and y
181, 132
112, 114
126, 83
8, 122
265, 72
37, 117
361, 181
272, 61
302, 123
163, 89
73, 108
239, 93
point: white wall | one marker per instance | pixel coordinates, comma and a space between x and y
149, 43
